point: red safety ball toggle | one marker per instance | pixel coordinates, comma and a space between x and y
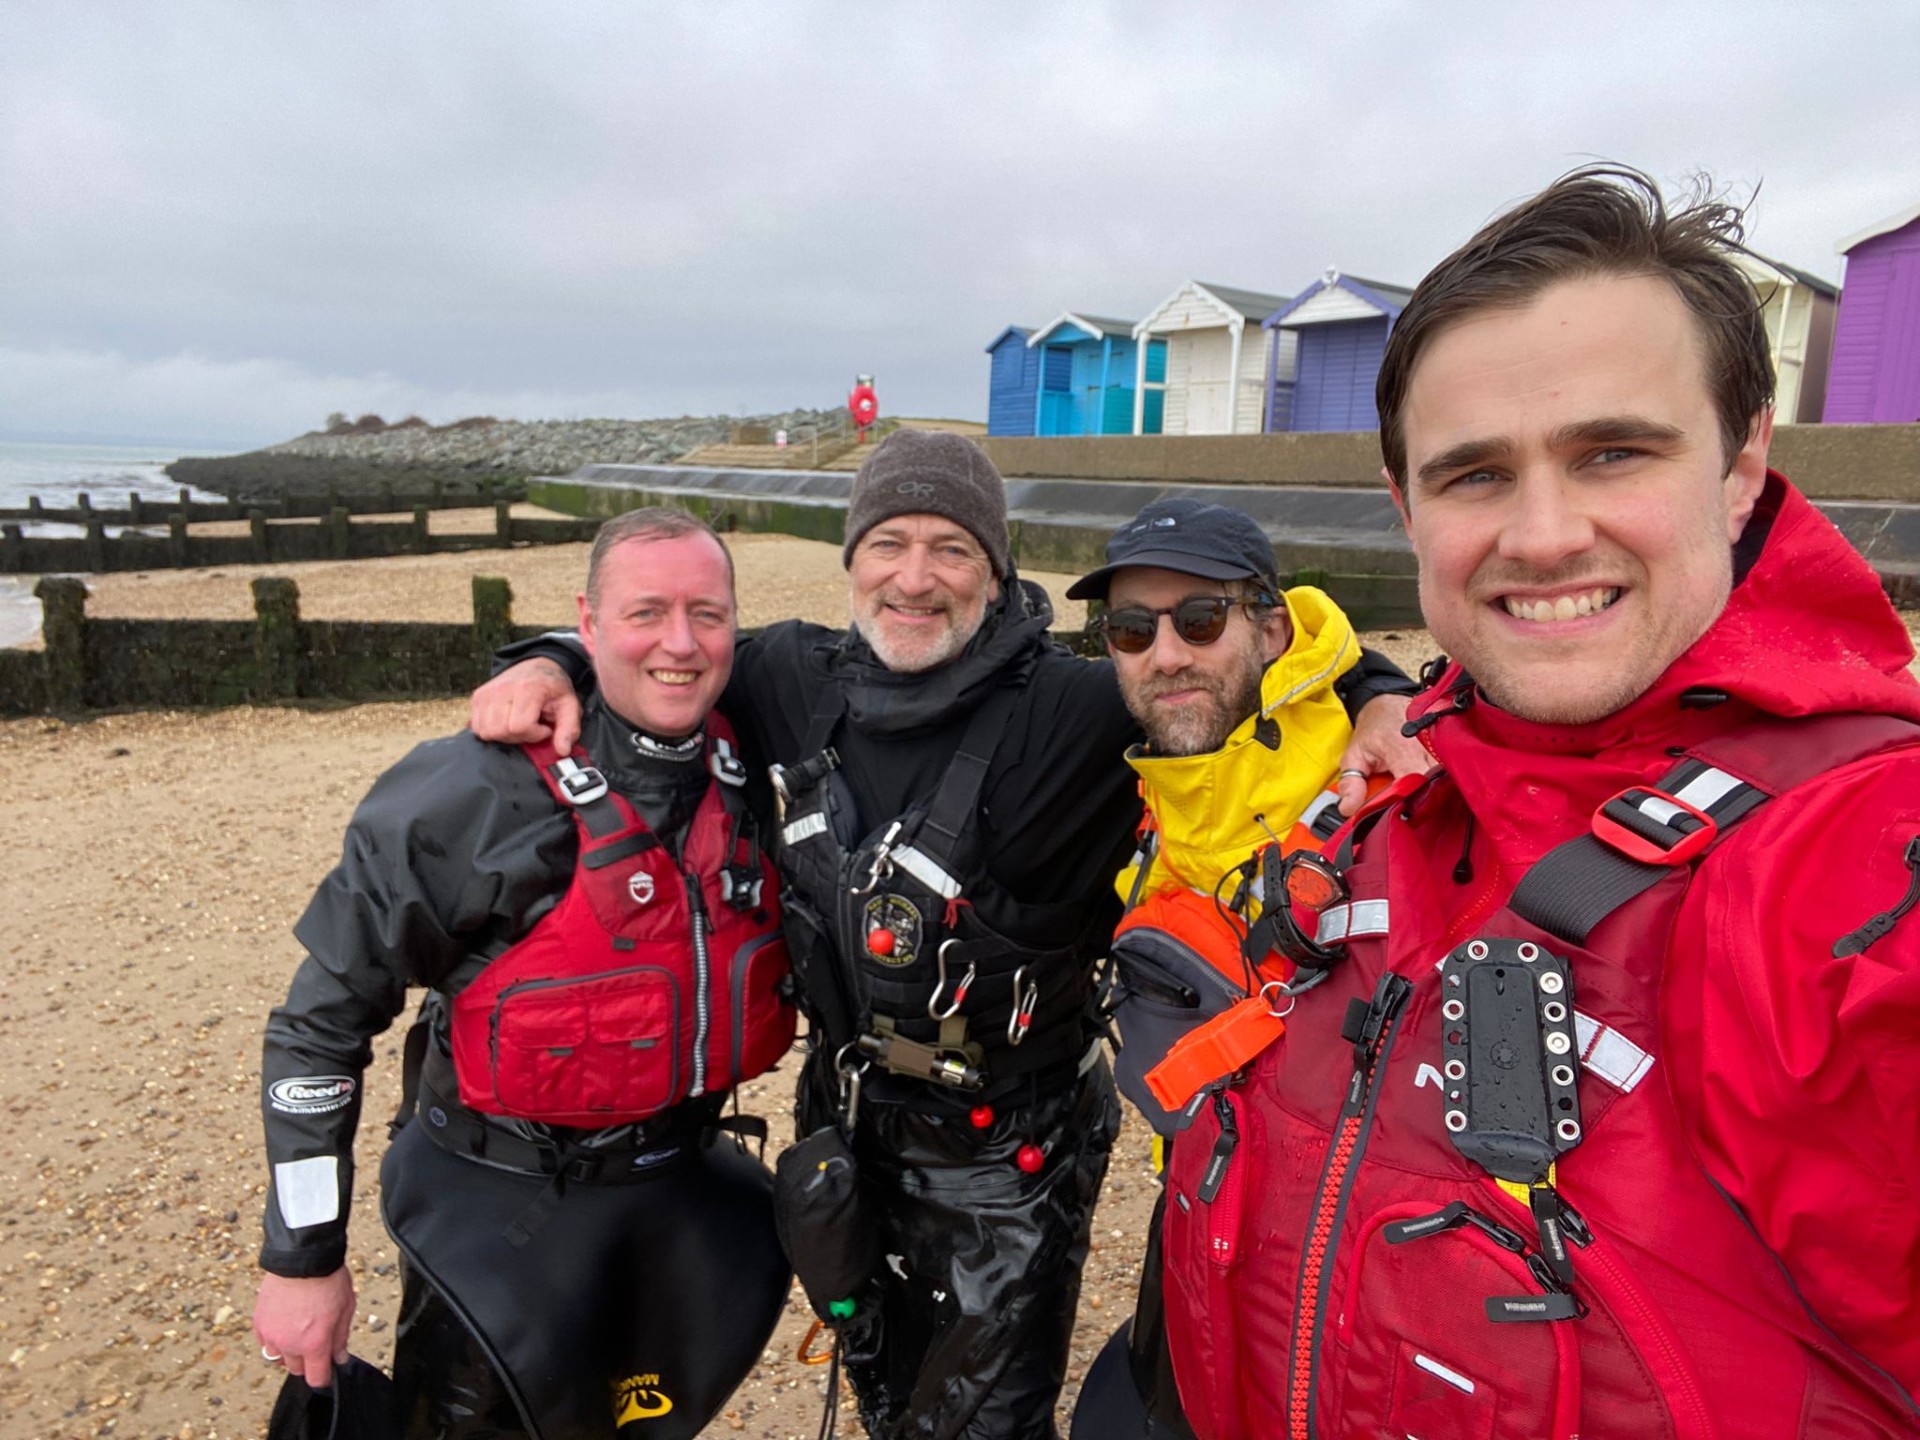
1030, 1158
880, 942
981, 1116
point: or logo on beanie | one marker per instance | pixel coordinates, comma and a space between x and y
914, 489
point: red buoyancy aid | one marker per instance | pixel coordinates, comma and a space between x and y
1297, 1306
650, 983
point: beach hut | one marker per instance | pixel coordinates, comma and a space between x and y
1086, 376
1014, 372
1340, 325
1199, 368
1875, 374
1798, 309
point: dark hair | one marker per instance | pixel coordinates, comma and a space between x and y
1597, 220
652, 522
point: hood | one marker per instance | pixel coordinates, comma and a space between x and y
1807, 630
1209, 808
1012, 635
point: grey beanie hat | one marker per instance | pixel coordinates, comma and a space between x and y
930, 472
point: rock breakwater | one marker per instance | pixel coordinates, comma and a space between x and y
469, 453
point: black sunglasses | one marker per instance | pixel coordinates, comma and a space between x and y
1198, 620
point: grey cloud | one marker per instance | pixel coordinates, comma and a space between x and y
739, 205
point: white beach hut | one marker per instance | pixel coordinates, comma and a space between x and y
1195, 354
1798, 310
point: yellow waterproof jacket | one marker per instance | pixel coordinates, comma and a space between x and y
1209, 809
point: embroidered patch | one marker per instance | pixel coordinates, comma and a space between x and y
901, 919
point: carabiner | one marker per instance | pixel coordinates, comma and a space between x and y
934, 1008
1026, 996
882, 866
849, 1085
805, 1354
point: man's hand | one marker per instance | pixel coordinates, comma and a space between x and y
528, 702
305, 1322
1377, 748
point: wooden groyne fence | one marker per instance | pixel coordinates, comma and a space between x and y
277, 531
273, 658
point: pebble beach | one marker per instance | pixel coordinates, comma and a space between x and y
146, 936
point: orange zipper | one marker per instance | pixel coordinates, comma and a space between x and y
1349, 1141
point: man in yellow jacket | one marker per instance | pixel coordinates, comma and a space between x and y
1232, 679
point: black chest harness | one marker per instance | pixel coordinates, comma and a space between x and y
897, 967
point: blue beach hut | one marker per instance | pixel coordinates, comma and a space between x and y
1011, 383
1341, 322
1085, 384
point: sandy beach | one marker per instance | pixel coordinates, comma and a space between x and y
147, 909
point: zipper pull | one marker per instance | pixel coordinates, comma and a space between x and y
1544, 1201
1223, 1148
1366, 1021
1452, 1217
1854, 941
1573, 1224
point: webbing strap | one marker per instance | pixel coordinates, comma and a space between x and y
956, 803
1576, 885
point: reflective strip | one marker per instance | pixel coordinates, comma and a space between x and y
308, 1191
927, 871
805, 827
1315, 680
1708, 788
1317, 806
1451, 1376
1609, 1054
1347, 922
1659, 809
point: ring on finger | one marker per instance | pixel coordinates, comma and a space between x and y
1357, 774
268, 1356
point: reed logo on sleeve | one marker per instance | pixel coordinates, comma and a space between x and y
310, 1094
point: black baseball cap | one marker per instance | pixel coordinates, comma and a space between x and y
1190, 536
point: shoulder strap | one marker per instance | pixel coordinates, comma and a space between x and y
956, 804
1644, 832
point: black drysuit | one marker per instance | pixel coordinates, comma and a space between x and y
652, 1263
965, 1333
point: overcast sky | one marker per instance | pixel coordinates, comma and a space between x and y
219, 222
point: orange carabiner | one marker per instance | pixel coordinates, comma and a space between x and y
806, 1355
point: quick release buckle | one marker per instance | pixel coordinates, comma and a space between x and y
581, 784
1653, 827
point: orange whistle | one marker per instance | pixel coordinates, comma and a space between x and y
1226, 1043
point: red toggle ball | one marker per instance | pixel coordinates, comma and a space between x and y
880, 942
1030, 1158
981, 1116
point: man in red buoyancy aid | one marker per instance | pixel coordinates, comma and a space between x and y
599, 938
1602, 1122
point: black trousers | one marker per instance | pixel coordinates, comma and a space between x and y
647, 1300
965, 1333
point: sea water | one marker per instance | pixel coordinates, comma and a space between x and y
106, 474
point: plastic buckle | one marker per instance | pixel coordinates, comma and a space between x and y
740, 886
1631, 843
581, 784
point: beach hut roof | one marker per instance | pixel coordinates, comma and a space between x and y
1251, 303
1389, 300
1098, 326
1885, 227
1248, 304
1765, 267
1017, 332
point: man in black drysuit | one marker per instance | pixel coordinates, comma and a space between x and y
955, 807
567, 1280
